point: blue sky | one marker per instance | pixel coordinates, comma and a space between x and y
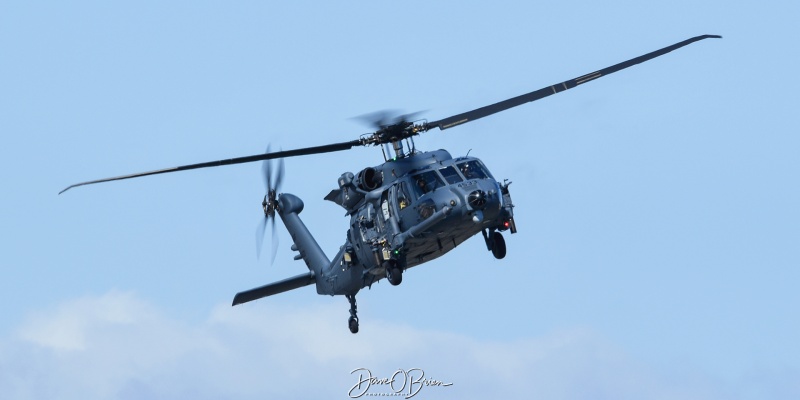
657, 207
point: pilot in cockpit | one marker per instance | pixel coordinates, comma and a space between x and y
468, 169
422, 185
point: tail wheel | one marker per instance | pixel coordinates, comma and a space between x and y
353, 324
498, 246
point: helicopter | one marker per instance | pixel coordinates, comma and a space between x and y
411, 209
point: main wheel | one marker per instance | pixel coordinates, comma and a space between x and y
498, 246
353, 324
395, 275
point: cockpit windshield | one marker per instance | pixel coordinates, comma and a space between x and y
426, 182
450, 175
473, 170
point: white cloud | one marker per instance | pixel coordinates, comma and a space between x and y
119, 346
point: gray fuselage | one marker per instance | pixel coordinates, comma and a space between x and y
402, 213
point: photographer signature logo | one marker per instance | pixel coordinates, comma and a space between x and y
400, 383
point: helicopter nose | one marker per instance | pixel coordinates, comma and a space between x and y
477, 199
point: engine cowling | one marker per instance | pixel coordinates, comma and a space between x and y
369, 179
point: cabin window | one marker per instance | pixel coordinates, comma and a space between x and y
426, 182
473, 170
450, 175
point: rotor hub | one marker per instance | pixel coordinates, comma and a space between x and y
270, 203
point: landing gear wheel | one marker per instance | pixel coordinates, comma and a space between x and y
353, 324
394, 274
498, 246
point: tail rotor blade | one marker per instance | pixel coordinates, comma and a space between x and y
273, 177
275, 241
260, 230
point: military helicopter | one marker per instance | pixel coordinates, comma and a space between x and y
411, 209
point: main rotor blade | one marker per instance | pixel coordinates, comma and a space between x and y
468, 116
240, 160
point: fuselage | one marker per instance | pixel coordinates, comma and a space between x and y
419, 208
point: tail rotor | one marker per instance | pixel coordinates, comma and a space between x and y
273, 177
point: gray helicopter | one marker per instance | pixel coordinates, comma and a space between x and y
411, 209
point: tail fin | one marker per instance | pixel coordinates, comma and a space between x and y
315, 259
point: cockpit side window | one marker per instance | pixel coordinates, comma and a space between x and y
403, 199
426, 182
473, 170
450, 175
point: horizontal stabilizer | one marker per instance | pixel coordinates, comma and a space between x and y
274, 288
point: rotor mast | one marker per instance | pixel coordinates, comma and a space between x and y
398, 149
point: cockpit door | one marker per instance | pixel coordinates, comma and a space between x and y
402, 206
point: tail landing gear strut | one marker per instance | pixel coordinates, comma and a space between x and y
352, 322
